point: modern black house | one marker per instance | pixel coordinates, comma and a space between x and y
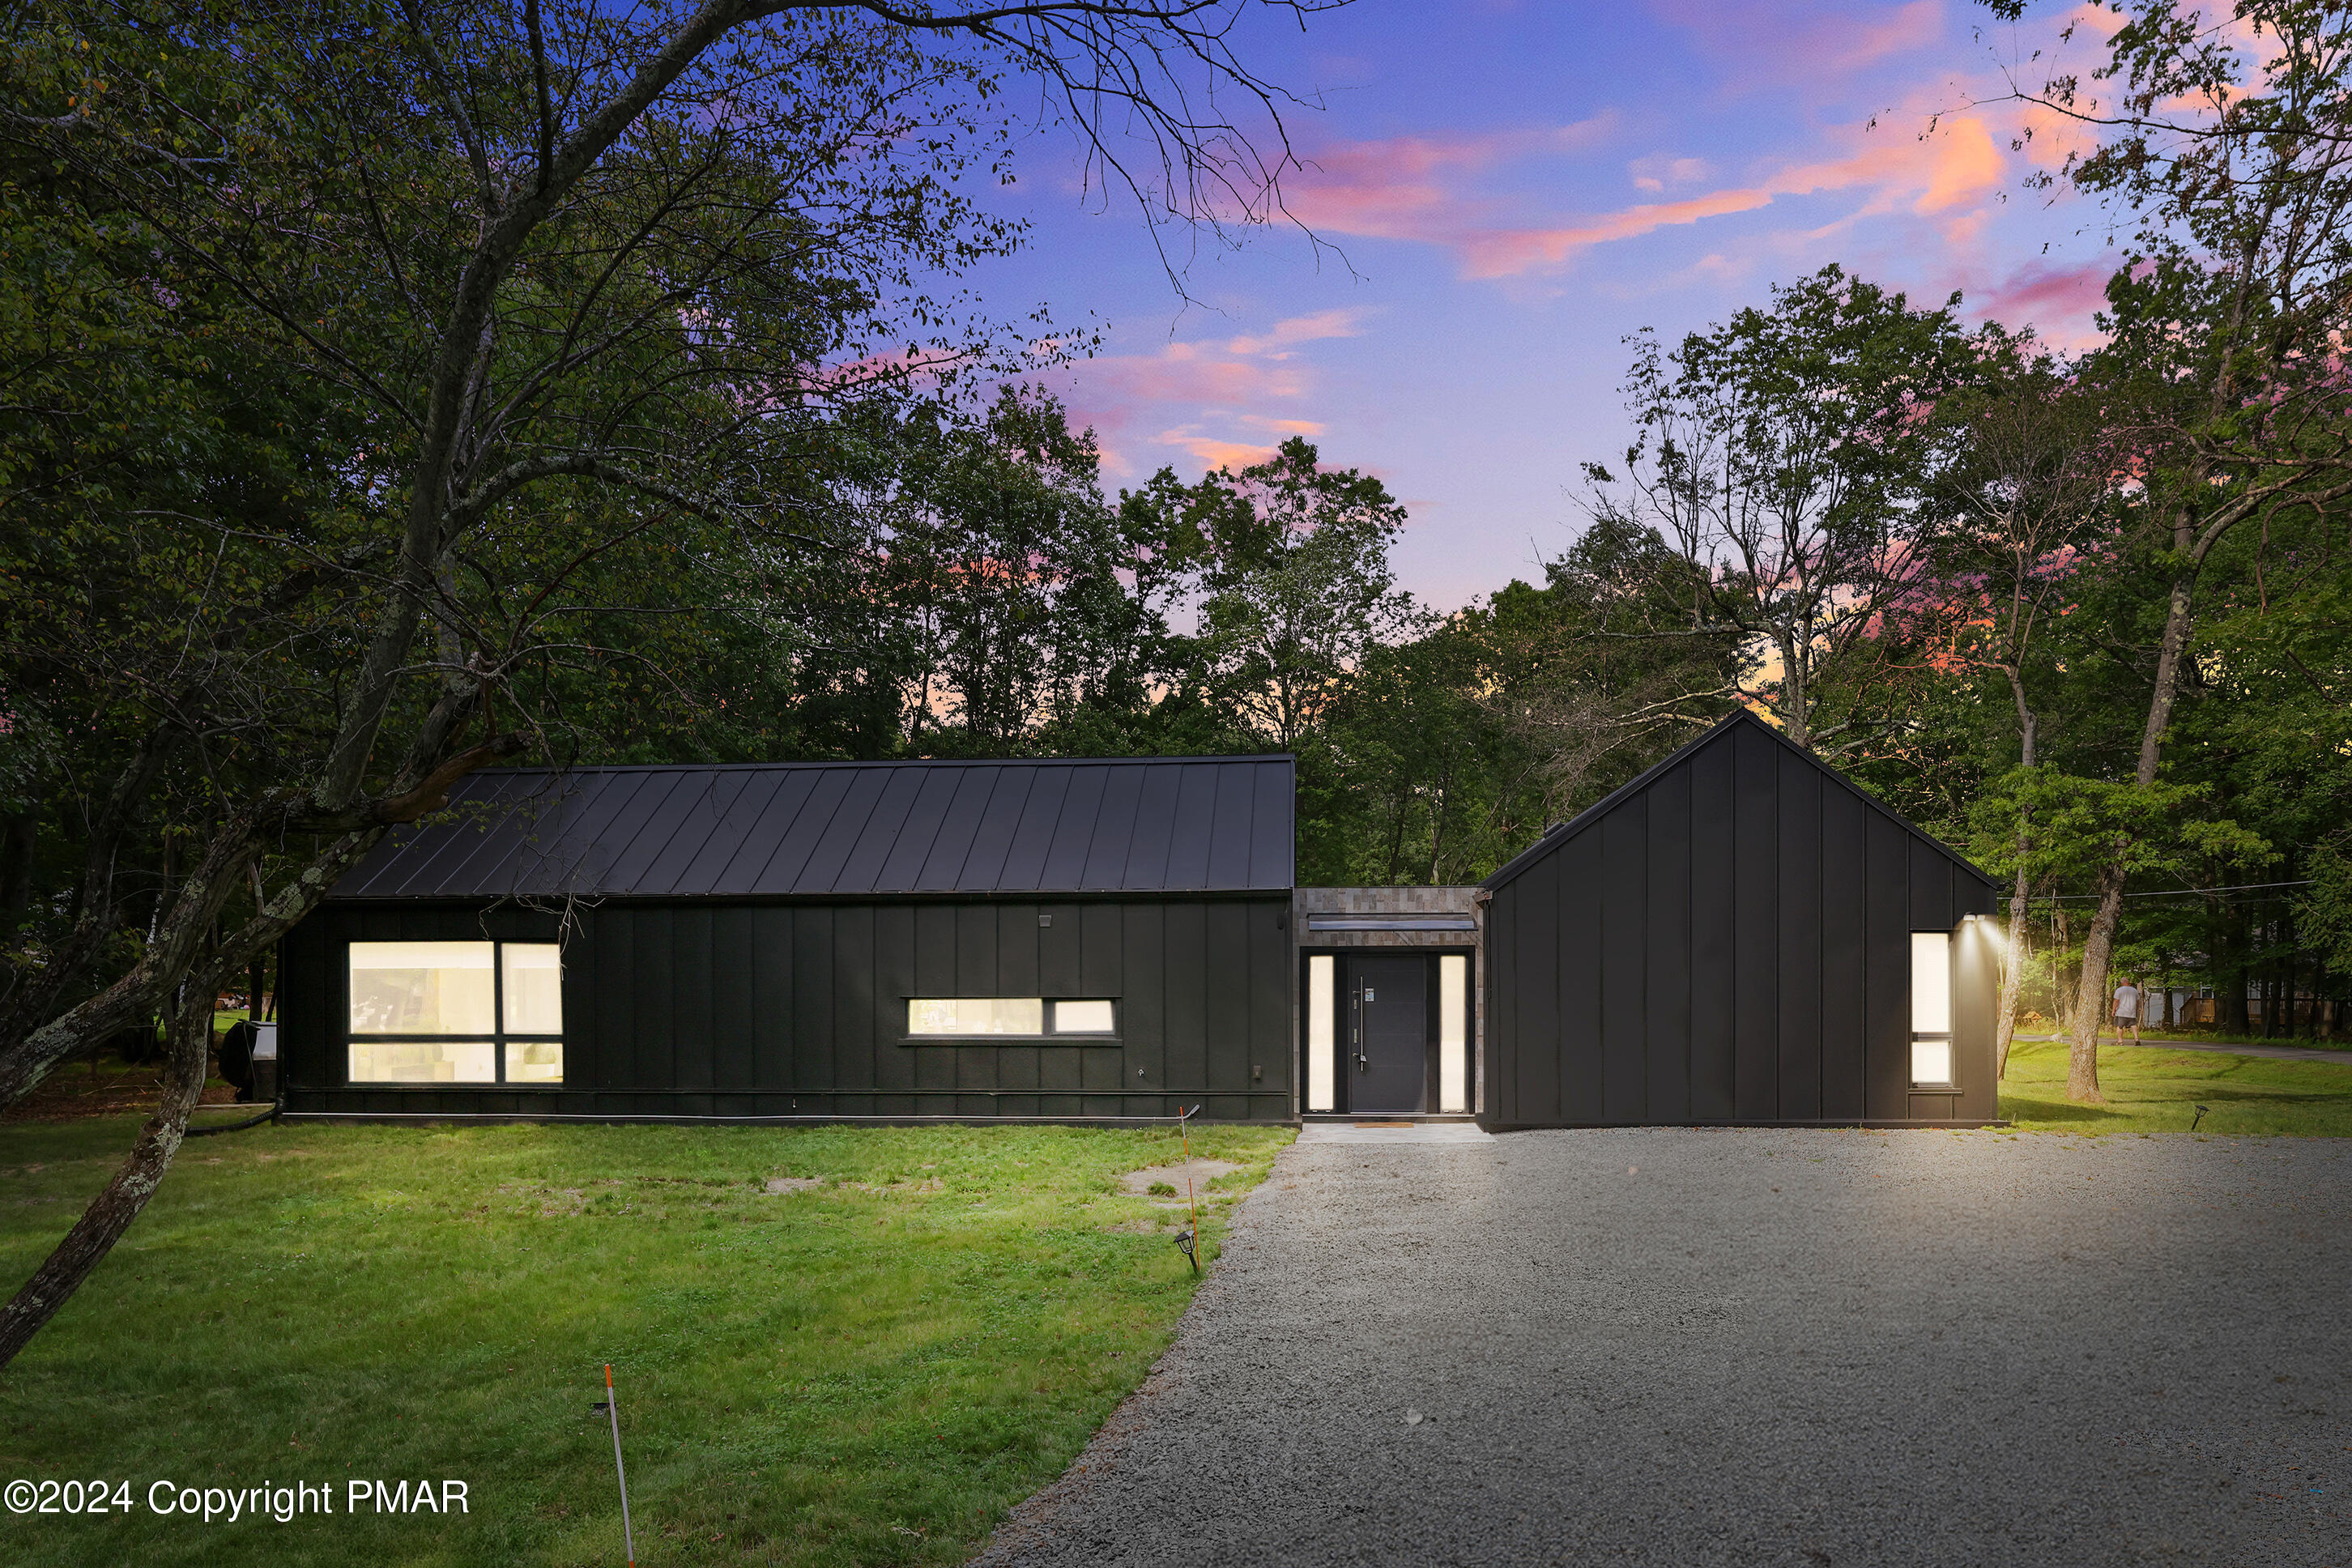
1739, 935
966, 941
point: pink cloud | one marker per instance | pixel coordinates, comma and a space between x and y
1277, 341
1776, 41
1211, 452
1212, 387
2057, 301
1377, 190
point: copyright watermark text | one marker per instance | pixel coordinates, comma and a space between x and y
211, 1505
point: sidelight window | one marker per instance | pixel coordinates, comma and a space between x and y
1322, 1092
1453, 1033
456, 1012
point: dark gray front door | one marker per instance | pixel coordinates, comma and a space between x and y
1388, 998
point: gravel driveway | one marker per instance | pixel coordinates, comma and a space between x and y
1693, 1347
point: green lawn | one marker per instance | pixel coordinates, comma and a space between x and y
2152, 1090
869, 1371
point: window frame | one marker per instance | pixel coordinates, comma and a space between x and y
1947, 1036
498, 1035
1049, 1007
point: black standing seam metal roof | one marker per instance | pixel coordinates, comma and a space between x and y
1565, 831
1114, 825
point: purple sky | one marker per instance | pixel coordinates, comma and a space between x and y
1514, 188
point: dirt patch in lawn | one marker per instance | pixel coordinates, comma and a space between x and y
1202, 1171
107, 1087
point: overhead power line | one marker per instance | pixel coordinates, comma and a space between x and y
2167, 893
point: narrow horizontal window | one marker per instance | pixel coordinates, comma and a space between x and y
1082, 1018
1029, 1017
975, 1016
424, 1061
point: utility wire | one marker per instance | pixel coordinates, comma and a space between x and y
2167, 893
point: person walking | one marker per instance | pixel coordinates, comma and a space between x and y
2126, 1011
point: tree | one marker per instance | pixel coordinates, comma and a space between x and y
1781, 455
1002, 555
2026, 488
2233, 164
557, 284
1295, 584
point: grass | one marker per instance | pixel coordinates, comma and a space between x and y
2151, 1089
869, 1371
2213, 1037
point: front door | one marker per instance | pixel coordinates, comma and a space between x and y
1388, 1006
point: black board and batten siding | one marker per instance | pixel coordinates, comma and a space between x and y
741, 943
1728, 939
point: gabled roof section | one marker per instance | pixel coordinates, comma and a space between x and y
1118, 825
1720, 734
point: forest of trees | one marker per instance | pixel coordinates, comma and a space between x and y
397, 391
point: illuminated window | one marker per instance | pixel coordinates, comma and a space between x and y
531, 983
456, 1012
1027, 1017
1321, 1020
424, 1061
1452, 1032
423, 987
1931, 1010
975, 1016
1082, 1018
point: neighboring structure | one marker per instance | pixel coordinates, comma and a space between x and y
1053, 939
1739, 935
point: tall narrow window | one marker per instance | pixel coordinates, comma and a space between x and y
1931, 1009
430, 1012
1452, 1032
531, 985
1322, 1014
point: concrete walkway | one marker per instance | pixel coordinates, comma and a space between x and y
1680, 1347
2280, 1053
1421, 1133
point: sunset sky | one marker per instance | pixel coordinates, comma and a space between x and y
1510, 189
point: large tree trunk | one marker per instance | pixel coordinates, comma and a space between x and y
2013, 974
2083, 1070
2091, 991
111, 1214
2012, 977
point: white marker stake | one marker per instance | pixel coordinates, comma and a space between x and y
613, 1406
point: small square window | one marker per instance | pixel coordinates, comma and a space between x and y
1931, 1064
534, 1061
1083, 1018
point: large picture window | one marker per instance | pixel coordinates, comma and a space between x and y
1029, 1017
457, 1012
